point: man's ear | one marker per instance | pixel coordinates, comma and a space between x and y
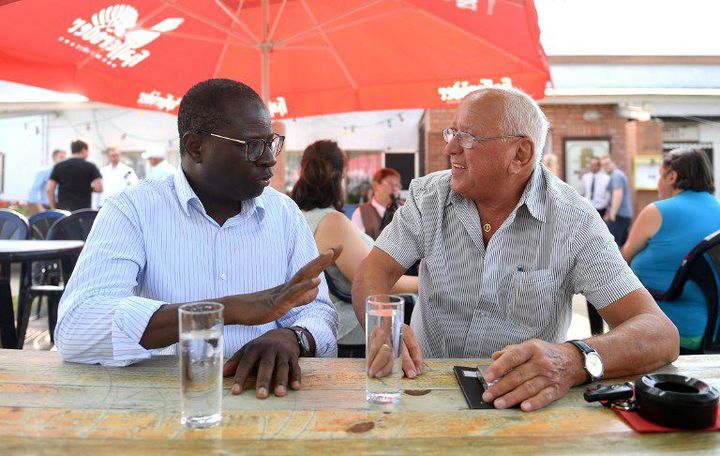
524, 154
192, 142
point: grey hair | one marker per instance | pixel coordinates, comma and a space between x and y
522, 116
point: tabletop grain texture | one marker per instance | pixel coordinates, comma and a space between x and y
48, 406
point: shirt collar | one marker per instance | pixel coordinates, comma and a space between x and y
185, 195
533, 196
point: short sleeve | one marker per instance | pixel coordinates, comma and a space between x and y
599, 270
403, 238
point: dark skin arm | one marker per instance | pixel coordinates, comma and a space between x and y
247, 309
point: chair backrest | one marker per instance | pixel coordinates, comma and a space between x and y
41, 222
13, 225
702, 266
74, 227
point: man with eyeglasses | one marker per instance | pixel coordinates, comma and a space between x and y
504, 246
215, 231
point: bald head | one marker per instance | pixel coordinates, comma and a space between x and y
515, 113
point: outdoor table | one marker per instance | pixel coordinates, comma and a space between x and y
25, 252
49, 406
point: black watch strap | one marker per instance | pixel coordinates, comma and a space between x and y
582, 346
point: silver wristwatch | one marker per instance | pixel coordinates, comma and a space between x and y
302, 339
593, 362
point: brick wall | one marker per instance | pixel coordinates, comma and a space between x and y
643, 138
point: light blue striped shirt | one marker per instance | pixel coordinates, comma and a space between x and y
154, 244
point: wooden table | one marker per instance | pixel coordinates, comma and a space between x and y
48, 406
24, 251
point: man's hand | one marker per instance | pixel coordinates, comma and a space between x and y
609, 217
533, 373
412, 357
274, 355
269, 305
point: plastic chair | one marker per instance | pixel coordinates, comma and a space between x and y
44, 272
701, 266
13, 225
73, 227
41, 222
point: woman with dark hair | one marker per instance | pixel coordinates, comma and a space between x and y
321, 195
665, 232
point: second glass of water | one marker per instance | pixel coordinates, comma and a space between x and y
383, 339
201, 363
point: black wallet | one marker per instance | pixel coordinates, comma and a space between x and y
471, 387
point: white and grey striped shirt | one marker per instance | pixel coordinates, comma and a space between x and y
476, 300
154, 244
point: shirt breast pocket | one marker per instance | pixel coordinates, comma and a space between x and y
531, 298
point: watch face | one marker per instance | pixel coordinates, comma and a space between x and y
304, 341
594, 365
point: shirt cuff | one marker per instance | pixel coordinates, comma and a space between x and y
325, 339
129, 323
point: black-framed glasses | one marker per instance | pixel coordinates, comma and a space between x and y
467, 141
254, 148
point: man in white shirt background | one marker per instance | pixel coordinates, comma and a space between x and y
595, 184
368, 217
160, 168
117, 176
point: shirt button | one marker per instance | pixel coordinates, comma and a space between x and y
222, 276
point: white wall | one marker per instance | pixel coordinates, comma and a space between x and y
371, 132
129, 129
22, 140
28, 141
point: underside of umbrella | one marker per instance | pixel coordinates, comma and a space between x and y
304, 56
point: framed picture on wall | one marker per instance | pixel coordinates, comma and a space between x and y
578, 152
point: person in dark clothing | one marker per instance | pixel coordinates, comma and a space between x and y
76, 179
368, 217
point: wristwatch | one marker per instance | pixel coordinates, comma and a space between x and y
593, 362
302, 339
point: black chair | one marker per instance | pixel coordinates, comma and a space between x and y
13, 225
358, 351
44, 272
702, 266
73, 227
41, 222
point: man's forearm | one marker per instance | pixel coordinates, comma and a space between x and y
615, 202
51, 199
641, 344
368, 281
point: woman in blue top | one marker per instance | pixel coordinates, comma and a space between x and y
665, 232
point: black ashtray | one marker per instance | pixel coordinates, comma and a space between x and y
676, 401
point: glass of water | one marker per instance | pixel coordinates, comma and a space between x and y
383, 338
201, 363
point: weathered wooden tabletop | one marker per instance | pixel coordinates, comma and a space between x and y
48, 406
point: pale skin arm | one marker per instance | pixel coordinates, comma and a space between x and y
646, 225
97, 185
615, 201
51, 186
376, 275
336, 229
536, 373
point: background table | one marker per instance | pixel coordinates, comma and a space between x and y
47, 406
24, 251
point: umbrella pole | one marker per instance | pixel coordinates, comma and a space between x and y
265, 48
